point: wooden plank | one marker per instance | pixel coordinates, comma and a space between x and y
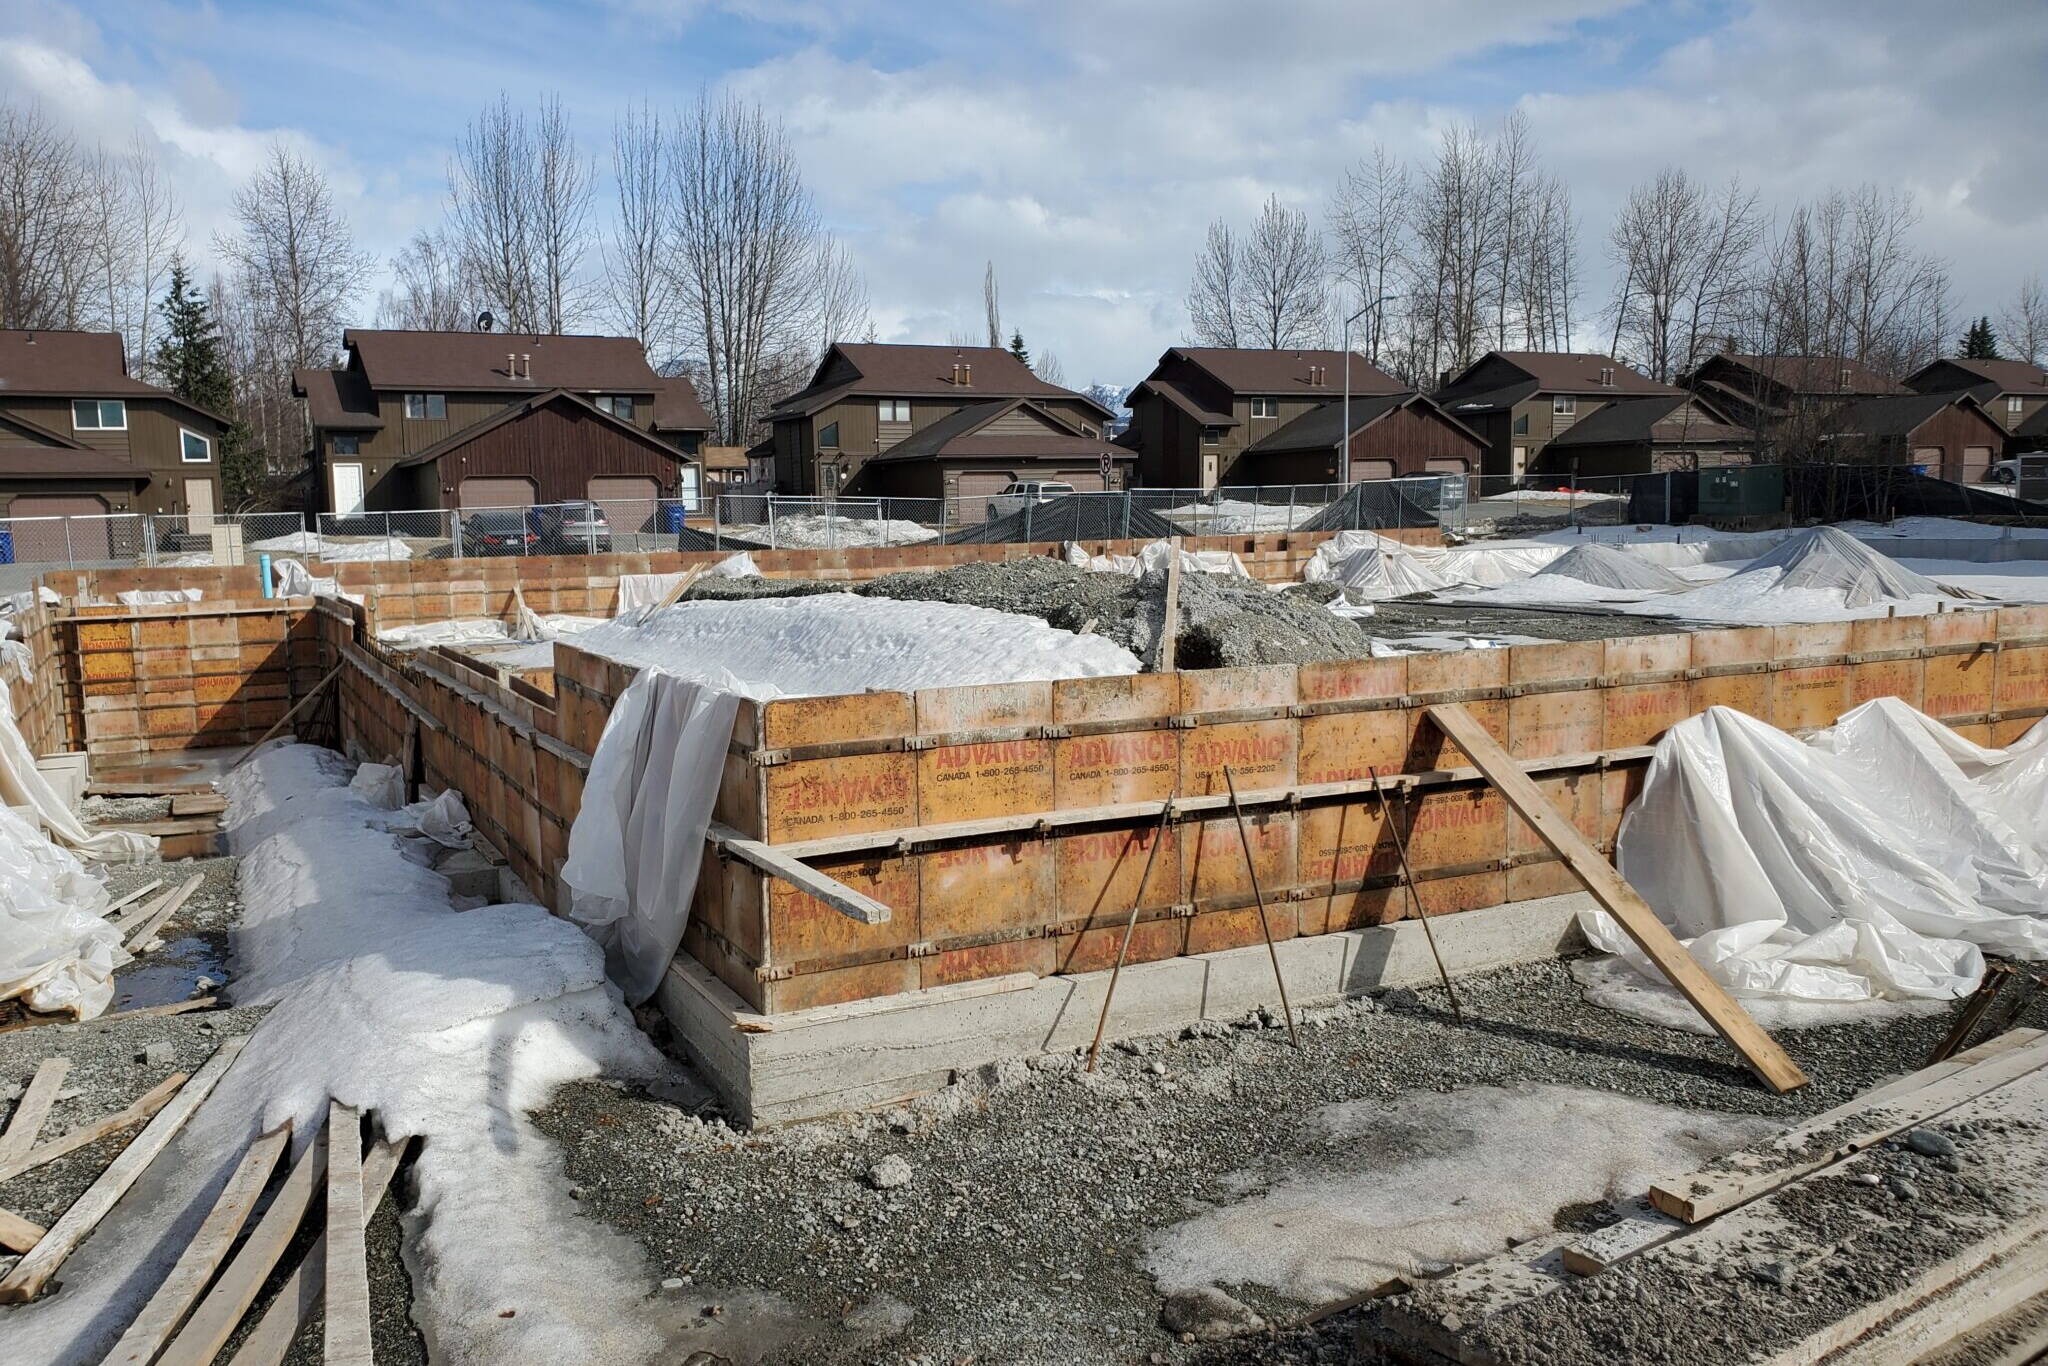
32, 1109
1640, 1226
171, 1008
145, 932
143, 1108
198, 803
1169, 625
1772, 1065
144, 890
682, 586
217, 1316
1829, 1137
301, 1294
280, 722
773, 861
136, 913
347, 1319
1959, 1309
203, 1255
18, 1234
114, 787
34, 1270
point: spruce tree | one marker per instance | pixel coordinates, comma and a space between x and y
1980, 342
1017, 349
194, 365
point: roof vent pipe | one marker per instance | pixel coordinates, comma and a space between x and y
526, 365
511, 365
967, 374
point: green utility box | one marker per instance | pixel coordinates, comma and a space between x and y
1742, 491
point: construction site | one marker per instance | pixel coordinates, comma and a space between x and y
1611, 943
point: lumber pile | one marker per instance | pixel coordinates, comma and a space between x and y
1890, 1229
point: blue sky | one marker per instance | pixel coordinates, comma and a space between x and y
1084, 146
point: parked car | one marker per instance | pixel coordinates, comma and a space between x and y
1019, 494
2004, 471
572, 528
499, 531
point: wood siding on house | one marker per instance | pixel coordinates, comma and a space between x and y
559, 446
152, 441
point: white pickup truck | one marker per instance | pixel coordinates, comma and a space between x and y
1020, 494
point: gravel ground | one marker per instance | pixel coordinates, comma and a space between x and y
1032, 1193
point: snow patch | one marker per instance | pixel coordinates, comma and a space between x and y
1612, 984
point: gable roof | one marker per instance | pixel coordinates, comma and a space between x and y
1992, 376
1655, 419
1287, 370
1902, 414
29, 450
17, 427
39, 364
1808, 374
475, 362
1317, 429
512, 412
958, 435
900, 370
1182, 397
1501, 379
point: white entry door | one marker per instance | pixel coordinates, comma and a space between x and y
199, 504
348, 489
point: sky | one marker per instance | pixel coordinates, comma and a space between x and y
1085, 145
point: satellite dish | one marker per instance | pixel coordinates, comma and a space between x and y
484, 321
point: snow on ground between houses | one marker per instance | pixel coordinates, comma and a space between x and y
1435, 1178
448, 1025
823, 531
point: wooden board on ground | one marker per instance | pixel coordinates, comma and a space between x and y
177, 838
303, 1290
344, 1249
160, 914
203, 1255
1772, 1065
35, 1268
18, 1234
141, 1109
198, 803
32, 1109
170, 1008
136, 895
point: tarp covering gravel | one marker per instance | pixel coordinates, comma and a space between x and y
1077, 517
1605, 567
1877, 858
1372, 506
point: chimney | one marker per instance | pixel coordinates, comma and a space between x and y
1606, 377
967, 374
1845, 379
511, 365
526, 365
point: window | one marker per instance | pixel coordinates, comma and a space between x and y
828, 437
1265, 407
2013, 403
892, 410
1521, 424
619, 406
193, 448
1564, 405
348, 445
99, 415
1211, 435
427, 407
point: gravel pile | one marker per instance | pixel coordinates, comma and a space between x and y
1033, 1190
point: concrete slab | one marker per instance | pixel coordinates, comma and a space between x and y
774, 1069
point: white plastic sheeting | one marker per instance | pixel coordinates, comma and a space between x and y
336, 549
22, 784
638, 838
1362, 560
56, 950
483, 631
1874, 860
1603, 566
1158, 555
158, 597
645, 590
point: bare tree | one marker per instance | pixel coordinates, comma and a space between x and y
157, 231
431, 288
1284, 279
45, 222
743, 244
519, 203
992, 305
841, 293
2023, 325
562, 186
1048, 368
1213, 295
1369, 222
1684, 254
640, 294
1458, 231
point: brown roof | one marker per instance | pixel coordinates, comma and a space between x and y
2011, 376
18, 430
1245, 370
888, 369
76, 365
1579, 372
1903, 414
960, 435
512, 411
476, 362
338, 398
29, 450
1813, 374
1657, 419
1185, 399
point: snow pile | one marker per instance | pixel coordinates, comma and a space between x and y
1432, 1178
56, 950
482, 631
1878, 858
826, 531
446, 1024
1235, 517
335, 549
833, 643
1157, 555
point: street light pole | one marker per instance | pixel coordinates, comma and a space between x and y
1344, 436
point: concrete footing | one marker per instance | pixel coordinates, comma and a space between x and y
774, 1069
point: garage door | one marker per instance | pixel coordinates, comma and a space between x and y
628, 500
1445, 465
480, 492
80, 536
1934, 459
1976, 464
1372, 469
975, 489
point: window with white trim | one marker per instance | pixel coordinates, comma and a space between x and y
2014, 404
1212, 436
193, 448
1265, 407
99, 415
892, 410
348, 445
427, 407
1564, 405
